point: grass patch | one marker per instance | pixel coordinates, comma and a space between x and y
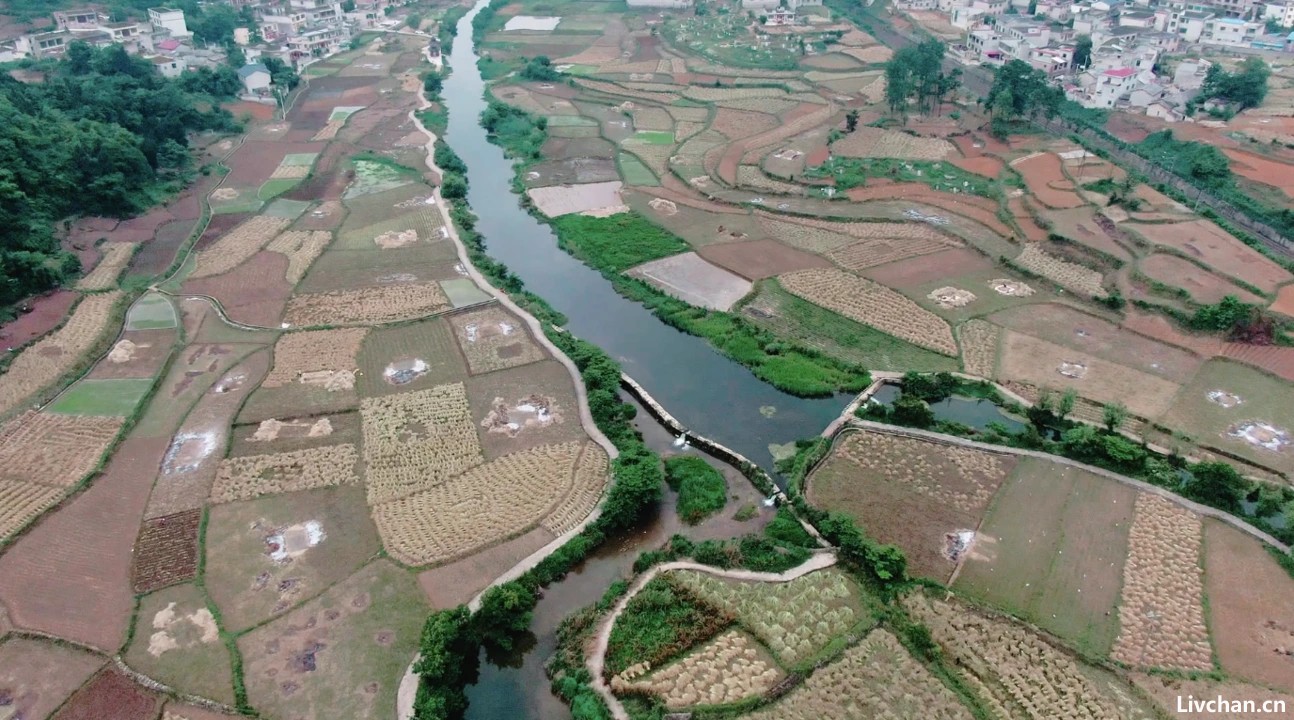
660, 621
580, 69
108, 398
635, 172
654, 137
853, 172
616, 243
702, 491
276, 187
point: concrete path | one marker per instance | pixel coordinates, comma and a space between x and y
596, 660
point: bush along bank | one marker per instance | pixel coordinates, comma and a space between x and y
601, 243
451, 639
1051, 430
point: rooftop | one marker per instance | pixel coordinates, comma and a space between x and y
1120, 72
250, 69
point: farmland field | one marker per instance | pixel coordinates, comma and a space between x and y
178, 642
111, 398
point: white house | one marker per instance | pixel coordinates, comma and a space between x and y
168, 66
1282, 13
168, 21
255, 77
1231, 32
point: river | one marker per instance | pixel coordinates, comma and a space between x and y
707, 392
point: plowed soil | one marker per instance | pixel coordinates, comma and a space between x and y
254, 293
759, 259
1204, 286
47, 313
167, 551
255, 161
70, 575
1212, 246
111, 696
1047, 181
1260, 169
458, 582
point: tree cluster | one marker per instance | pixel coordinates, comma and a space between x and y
540, 69
96, 139
1020, 92
1204, 164
1247, 86
915, 75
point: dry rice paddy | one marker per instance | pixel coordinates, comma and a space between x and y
238, 245
54, 449
1071, 276
301, 248
1161, 616
485, 505
872, 304
493, 339
302, 353
104, 275
40, 364
870, 142
366, 305
417, 440
876, 678
22, 501
979, 340
730, 667
250, 476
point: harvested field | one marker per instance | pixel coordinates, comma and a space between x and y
487, 504
1074, 328
913, 196
238, 245
691, 279
301, 354
519, 408
456, 583
42, 363
1204, 286
177, 642
821, 236
1038, 362
739, 123
138, 355
301, 248
566, 199
266, 556
291, 434
409, 357
1166, 690
493, 339
1161, 616
254, 293
22, 502
870, 142
759, 259
911, 493
588, 481
728, 668
251, 476
1214, 247
876, 678
761, 608
417, 440
104, 275
1071, 276
111, 694
837, 336
1018, 673
1051, 551
1046, 180
38, 675
341, 655
54, 449
872, 304
166, 551
979, 342
366, 305
1249, 617
870, 253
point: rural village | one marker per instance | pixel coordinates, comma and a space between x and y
646, 359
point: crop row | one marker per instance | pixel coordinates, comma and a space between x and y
872, 304
48, 359
251, 476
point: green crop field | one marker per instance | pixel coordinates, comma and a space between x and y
151, 312
654, 137
635, 172
114, 398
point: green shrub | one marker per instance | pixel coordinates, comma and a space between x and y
702, 491
657, 623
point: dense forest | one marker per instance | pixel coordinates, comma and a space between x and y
104, 134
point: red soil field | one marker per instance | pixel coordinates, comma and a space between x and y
141, 229
1264, 170
1274, 359
758, 259
1028, 226
945, 264
1284, 303
327, 182
110, 695
1043, 175
253, 163
258, 111
70, 575
1219, 250
254, 293
47, 312
1157, 327
981, 165
219, 225
152, 347
157, 254
1204, 286
966, 144
817, 156
167, 551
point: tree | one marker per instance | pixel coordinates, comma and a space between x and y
171, 154
540, 69
1082, 51
636, 489
1247, 86
851, 121
348, 6
1033, 8
79, 55
413, 21
281, 74
506, 611
446, 665
1114, 415
235, 58
1066, 404
453, 187
433, 83
912, 411
1216, 484
1021, 92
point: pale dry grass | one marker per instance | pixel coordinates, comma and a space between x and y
589, 480
313, 350
823, 236
301, 248
53, 449
1161, 614
871, 253
979, 339
1071, 276
104, 275
870, 142
613, 89
713, 94
768, 105
417, 440
329, 130
22, 501
876, 679
485, 505
1020, 674
651, 118
795, 619
908, 462
290, 172
367, 305
493, 339
730, 667
752, 177
45, 361
238, 245
735, 124
250, 476
872, 304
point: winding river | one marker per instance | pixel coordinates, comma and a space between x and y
708, 393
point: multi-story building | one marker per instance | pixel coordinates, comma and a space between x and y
84, 19
166, 20
1282, 13
1021, 35
1231, 32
